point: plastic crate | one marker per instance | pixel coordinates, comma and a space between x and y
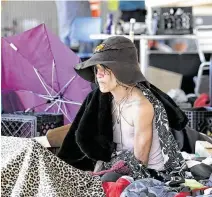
18, 125
29, 124
198, 118
45, 120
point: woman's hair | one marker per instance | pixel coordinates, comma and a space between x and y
108, 71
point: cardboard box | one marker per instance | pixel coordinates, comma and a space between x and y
163, 79
203, 149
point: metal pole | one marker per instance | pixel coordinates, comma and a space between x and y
143, 55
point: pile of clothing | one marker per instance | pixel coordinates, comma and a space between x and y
120, 182
126, 187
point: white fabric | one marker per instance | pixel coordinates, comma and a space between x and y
98, 166
43, 141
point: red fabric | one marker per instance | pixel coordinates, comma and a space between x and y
108, 186
114, 189
183, 194
197, 191
194, 192
202, 101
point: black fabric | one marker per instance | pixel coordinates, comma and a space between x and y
91, 132
201, 171
179, 137
177, 118
90, 137
85, 164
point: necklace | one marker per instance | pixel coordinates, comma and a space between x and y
120, 105
117, 118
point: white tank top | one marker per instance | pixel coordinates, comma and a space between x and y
123, 136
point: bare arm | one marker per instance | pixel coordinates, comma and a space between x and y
143, 131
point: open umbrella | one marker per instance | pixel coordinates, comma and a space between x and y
39, 68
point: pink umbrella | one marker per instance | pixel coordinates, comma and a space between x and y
39, 68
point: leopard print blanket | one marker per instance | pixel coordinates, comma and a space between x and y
28, 170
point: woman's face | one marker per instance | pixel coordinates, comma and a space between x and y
105, 78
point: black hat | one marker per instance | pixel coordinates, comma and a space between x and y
119, 54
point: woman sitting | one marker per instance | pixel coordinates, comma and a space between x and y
126, 119
125, 113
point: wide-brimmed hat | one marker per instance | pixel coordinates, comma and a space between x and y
119, 54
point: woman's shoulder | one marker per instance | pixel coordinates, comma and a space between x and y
138, 102
137, 98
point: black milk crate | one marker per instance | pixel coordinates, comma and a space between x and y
18, 125
173, 20
45, 120
23, 121
198, 118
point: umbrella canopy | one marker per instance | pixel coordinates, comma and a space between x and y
40, 68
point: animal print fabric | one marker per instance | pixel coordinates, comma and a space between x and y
30, 170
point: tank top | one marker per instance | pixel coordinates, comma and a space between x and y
123, 136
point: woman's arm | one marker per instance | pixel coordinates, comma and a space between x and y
143, 130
